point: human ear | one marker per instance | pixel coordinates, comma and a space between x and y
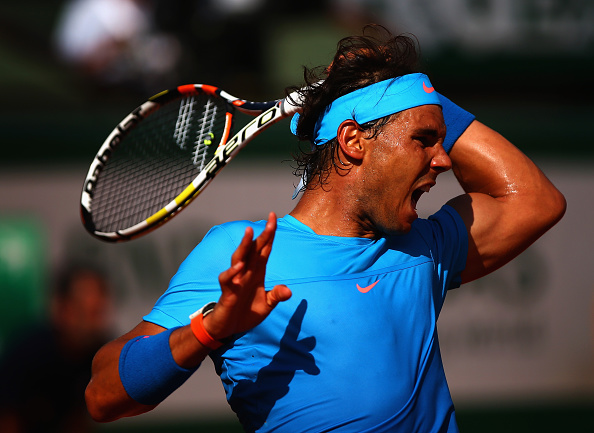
350, 139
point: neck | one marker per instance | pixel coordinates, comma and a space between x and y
330, 212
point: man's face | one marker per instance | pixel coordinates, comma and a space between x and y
402, 163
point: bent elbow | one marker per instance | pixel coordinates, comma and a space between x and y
540, 211
556, 207
99, 412
105, 406
94, 408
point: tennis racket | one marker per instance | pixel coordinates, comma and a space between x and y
164, 153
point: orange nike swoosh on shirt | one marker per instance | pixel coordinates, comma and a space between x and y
428, 89
368, 288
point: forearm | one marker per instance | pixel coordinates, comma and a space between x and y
106, 398
118, 387
485, 162
509, 201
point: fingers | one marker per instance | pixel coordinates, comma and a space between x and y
226, 277
278, 294
244, 301
261, 246
251, 256
263, 243
252, 251
244, 247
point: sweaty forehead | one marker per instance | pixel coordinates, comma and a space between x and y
424, 117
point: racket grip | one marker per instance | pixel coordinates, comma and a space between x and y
291, 104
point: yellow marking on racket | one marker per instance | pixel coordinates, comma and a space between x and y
157, 217
185, 194
158, 95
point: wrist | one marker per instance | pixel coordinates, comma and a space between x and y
199, 330
187, 352
456, 119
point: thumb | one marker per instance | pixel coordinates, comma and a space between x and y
278, 294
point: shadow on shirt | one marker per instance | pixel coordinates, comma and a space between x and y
272, 382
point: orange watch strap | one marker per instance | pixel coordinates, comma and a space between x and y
202, 334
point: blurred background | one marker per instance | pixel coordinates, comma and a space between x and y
518, 346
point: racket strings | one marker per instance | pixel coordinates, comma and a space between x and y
153, 163
183, 122
205, 136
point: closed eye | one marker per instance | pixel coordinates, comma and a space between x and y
426, 141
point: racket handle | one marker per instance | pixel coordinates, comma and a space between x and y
291, 104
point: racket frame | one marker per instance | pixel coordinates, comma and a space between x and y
268, 113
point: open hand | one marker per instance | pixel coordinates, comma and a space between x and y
244, 302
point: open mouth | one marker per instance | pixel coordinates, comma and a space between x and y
417, 193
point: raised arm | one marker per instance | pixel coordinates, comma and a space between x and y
509, 203
155, 366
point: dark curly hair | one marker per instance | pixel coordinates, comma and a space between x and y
374, 56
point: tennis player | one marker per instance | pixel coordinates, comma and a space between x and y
333, 326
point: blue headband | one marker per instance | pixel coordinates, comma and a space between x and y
373, 102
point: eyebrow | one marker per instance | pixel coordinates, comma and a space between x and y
433, 132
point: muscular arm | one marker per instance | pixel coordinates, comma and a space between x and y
509, 203
243, 304
105, 395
